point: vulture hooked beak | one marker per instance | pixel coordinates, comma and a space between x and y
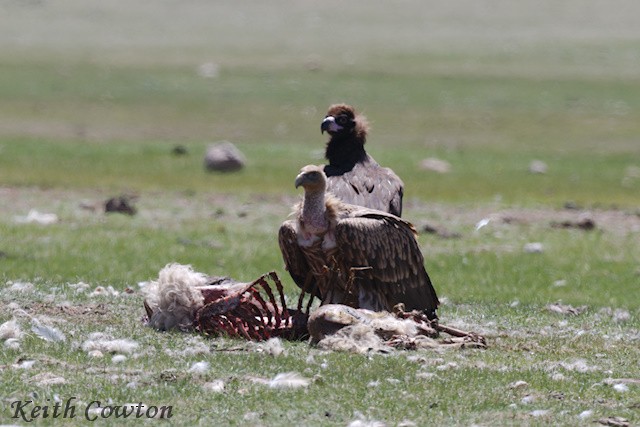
329, 124
300, 180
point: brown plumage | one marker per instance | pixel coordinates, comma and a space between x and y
353, 255
353, 175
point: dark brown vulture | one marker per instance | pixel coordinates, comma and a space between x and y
349, 254
353, 175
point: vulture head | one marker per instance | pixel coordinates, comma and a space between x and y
348, 131
342, 121
312, 179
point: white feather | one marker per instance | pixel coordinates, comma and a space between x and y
47, 333
289, 380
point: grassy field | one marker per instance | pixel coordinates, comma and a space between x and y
94, 97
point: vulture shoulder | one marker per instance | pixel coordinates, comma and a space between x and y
368, 184
388, 258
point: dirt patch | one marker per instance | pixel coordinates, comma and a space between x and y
75, 311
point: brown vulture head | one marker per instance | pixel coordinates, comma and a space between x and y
342, 122
312, 178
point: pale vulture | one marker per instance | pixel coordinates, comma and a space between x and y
353, 255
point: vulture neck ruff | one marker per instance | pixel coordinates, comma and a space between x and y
344, 150
316, 219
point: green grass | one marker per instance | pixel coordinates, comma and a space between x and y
93, 98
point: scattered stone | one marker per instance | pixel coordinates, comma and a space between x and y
570, 205
37, 217
10, 330
224, 157
585, 223
533, 248
566, 309
539, 413
179, 150
120, 204
12, 344
216, 386
105, 344
585, 414
519, 384
21, 286
209, 70
118, 358
440, 231
199, 368
559, 283
614, 422
47, 378
528, 399
621, 387
435, 165
538, 167
621, 316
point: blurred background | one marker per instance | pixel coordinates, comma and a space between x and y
479, 106
488, 86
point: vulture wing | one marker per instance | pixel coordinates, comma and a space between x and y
369, 185
384, 255
294, 259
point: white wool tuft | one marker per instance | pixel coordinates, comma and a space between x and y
118, 358
199, 368
390, 325
10, 330
289, 380
354, 339
272, 346
174, 297
101, 343
216, 386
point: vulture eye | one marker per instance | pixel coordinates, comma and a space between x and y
342, 120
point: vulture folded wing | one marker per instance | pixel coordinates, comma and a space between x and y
369, 185
387, 259
294, 259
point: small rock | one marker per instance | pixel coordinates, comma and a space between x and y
440, 231
199, 368
533, 248
566, 309
179, 150
216, 386
539, 413
121, 204
209, 70
118, 358
621, 387
37, 217
620, 315
538, 167
528, 399
585, 414
435, 165
224, 157
519, 384
614, 422
584, 223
